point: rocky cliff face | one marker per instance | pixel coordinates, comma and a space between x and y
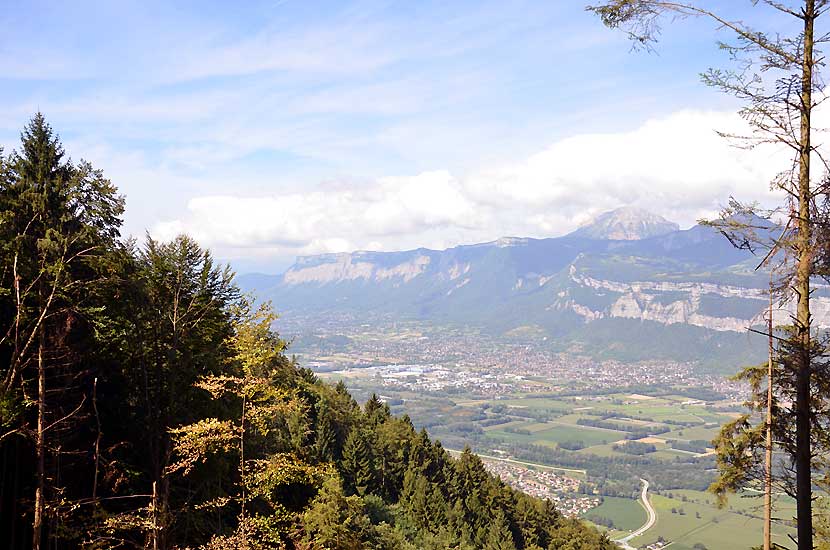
333, 268
670, 302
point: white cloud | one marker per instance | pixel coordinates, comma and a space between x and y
676, 161
676, 166
328, 221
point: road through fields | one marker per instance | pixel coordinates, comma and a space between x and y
652, 519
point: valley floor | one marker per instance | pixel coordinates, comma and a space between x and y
581, 432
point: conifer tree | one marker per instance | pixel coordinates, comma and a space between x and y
375, 410
358, 463
58, 222
335, 521
498, 534
326, 439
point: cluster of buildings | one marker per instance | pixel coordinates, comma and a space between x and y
656, 545
436, 359
562, 490
432, 377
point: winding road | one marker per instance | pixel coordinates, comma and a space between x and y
652, 519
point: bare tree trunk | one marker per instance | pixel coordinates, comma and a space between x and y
97, 438
803, 458
242, 467
768, 450
155, 517
40, 448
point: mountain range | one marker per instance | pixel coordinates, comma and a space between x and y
630, 285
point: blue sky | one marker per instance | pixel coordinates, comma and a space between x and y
278, 128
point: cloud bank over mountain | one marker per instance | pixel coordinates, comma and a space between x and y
675, 165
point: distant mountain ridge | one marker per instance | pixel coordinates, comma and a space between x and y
673, 294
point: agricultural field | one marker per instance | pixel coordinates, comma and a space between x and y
698, 521
598, 423
626, 513
555, 433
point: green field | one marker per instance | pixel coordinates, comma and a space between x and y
514, 424
691, 433
623, 410
627, 514
554, 432
717, 529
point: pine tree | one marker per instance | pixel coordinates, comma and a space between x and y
375, 410
335, 521
325, 442
498, 534
358, 464
59, 222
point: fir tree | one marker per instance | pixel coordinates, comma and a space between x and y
358, 464
498, 534
59, 223
325, 442
335, 521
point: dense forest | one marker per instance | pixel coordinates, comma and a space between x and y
146, 403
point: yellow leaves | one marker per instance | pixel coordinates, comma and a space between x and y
264, 401
195, 442
262, 416
219, 386
256, 347
214, 504
264, 412
140, 520
265, 476
253, 533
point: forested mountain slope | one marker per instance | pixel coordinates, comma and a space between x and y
145, 403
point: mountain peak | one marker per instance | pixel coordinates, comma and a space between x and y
628, 223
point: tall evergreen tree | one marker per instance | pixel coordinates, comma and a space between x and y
335, 521
358, 463
325, 439
59, 223
498, 534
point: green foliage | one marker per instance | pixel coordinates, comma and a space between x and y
635, 448
358, 464
498, 534
181, 423
336, 521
